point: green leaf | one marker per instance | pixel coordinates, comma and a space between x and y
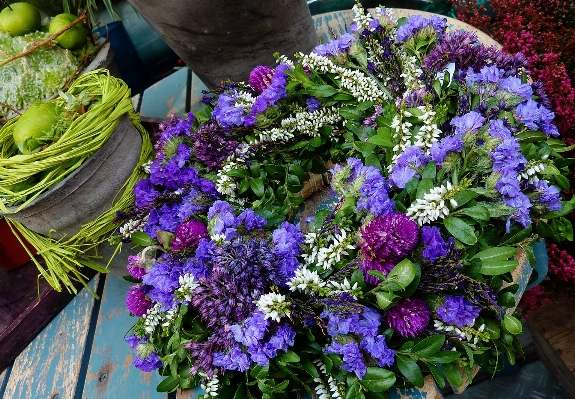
402, 274
506, 299
289, 357
424, 187
444, 357
430, 171
531, 136
316, 141
382, 138
377, 379
452, 374
142, 239
497, 267
566, 208
496, 253
257, 186
354, 391
385, 299
516, 235
463, 197
429, 346
351, 113
477, 212
410, 370
259, 372
241, 392
309, 368
297, 170
377, 273
459, 229
512, 325
168, 384
436, 374
320, 91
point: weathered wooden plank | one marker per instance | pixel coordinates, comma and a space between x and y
49, 366
110, 371
553, 329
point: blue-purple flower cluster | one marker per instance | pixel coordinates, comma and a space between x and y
417, 22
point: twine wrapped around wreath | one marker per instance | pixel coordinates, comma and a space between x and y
86, 139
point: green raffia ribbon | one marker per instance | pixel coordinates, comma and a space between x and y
64, 259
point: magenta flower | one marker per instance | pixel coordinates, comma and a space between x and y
409, 317
260, 78
135, 267
188, 234
389, 239
136, 301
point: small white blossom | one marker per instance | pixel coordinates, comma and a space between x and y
210, 385
152, 318
344, 286
432, 206
132, 226
306, 281
331, 251
187, 285
429, 133
274, 306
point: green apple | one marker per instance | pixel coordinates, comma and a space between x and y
34, 123
19, 19
73, 38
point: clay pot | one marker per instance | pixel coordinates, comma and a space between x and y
220, 40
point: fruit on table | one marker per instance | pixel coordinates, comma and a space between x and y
19, 19
34, 123
73, 38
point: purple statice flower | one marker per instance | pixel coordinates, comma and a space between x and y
222, 220
447, 144
374, 193
487, 74
458, 310
548, 195
498, 130
213, 145
148, 364
274, 92
283, 338
204, 251
226, 113
405, 168
135, 267
529, 114
470, 122
145, 193
352, 357
340, 322
546, 117
260, 78
136, 301
539, 91
409, 317
389, 238
434, 245
175, 126
188, 234
369, 322
163, 279
287, 240
336, 46
251, 220
455, 47
376, 347
253, 330
415, 23
371, 121
514, 85
235, 359
133, 341
414, 98
313, 104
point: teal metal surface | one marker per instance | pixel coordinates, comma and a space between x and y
168, 96
541, 266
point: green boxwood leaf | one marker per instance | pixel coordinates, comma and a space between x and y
350, 113
410, 370
436, 375
240, 172
444, 357
507, 299
377, 379
463, 197
168, 384
309, 368
402, 274
477, 212
320, 91
459, 229
385, 299
289, 357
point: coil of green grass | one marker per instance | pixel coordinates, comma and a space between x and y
62, 260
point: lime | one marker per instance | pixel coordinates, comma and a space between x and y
19, 19
73, 38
